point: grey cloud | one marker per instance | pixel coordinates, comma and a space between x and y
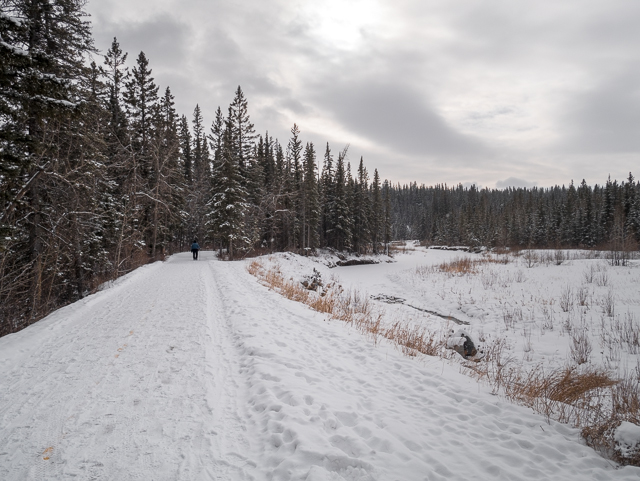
572, 30
163, 39
605, 119
396, 117
565, 66
478, 117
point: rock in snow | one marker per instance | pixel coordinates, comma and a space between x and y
627, 438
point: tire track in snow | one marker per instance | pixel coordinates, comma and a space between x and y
228, 393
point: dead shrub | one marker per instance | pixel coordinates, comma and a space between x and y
489, 278
590, 275
609, 303
531, 258
623, 333
511, 317
582, 296
566, 299
580, 347
569, 395
602, 278
498, 367
548, 318
459, 266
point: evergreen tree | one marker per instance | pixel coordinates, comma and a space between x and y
199, 190
116, 75
243, 131
342, 220
199, 147
15, 163
294, 186
362, 209
216, 136
375, 220
184, 136
166, 177
267, 160
311, 205
141, 97
387, 217
228, 204
327, 186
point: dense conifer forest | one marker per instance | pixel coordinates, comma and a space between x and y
99, 174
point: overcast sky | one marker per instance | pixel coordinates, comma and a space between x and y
492, 92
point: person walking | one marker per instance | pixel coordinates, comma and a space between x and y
194, 249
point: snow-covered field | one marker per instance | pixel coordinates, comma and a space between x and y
194, 370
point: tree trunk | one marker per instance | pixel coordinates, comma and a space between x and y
36, 250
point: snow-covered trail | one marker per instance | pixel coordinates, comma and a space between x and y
134, 383
192, 370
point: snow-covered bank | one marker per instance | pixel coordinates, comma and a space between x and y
193, 370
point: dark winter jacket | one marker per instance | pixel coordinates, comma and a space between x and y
195, 246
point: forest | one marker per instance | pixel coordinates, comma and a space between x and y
99, 174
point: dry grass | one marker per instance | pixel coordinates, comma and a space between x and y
461, 266
625, 406
586, 396
570, 394
414, 339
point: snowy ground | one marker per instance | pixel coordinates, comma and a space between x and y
193, 371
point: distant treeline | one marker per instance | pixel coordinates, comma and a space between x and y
99, 174
606, 216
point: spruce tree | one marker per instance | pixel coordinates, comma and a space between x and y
242, 129
387, 217
362, 209
294, 187
342, 221
199, 190
199, 146
311, 201
216, 135
267, 160
327, 185
116, 75
227, 207
166, 179
376, 213
184, 135
141, 97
